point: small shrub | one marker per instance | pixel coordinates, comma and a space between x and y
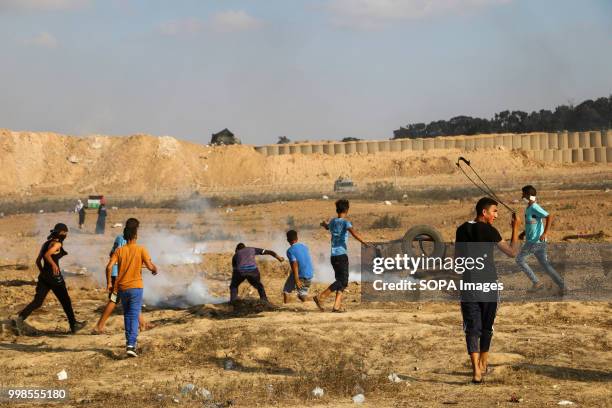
387, 221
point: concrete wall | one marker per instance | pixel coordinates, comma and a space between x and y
560, 147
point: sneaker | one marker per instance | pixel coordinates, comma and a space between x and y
76, 326
18, 325
131, 351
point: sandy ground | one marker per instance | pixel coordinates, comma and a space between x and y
542, 352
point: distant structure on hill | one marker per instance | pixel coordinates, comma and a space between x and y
224, 137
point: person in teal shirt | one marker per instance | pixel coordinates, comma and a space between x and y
537, 224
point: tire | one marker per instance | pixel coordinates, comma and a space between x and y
439, 246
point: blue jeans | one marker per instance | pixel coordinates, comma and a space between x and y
131, 300
539, 250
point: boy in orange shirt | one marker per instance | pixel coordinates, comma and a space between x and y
129, 286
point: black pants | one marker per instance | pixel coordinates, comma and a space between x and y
58, 286
478, 319
253, 277
340, 263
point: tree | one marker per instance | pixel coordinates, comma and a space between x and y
283, 140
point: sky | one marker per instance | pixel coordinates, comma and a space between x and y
305, 69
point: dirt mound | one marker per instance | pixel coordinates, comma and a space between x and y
47, 164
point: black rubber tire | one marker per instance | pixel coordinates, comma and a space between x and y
434, 234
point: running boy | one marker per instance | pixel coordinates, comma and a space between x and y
245, 268
535, 235
50, 279
301, 274
129, 286
110, 282
339, 228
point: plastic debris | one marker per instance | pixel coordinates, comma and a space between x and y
565, 402
117, 225
387, 202
229, 364
62, 375
187, 388
325, 197
318, 392
359, 399
394, 378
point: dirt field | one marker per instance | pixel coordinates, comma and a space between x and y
542, 352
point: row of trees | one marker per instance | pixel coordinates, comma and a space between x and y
588, 115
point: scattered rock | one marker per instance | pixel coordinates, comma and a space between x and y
62, 375
387, 202
73, 159
117, 225
515, 398
359, 399
204, 393
318, 392
325, 197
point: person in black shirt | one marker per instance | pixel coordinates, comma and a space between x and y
51, 279
477, 240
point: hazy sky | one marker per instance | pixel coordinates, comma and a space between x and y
319, 69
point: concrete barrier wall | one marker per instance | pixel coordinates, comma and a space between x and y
553, 140
470, 144
563, 140
588, 155
362, 147
395, 145
583, 139
566, 155
339, 148
417, 144
534, 143
543, 141
350, 148
573, 140
507, 141
560, 147
372, 147
406, 144
600, 155
306, 149
606, 139
595, 139
383, 146
526, 142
